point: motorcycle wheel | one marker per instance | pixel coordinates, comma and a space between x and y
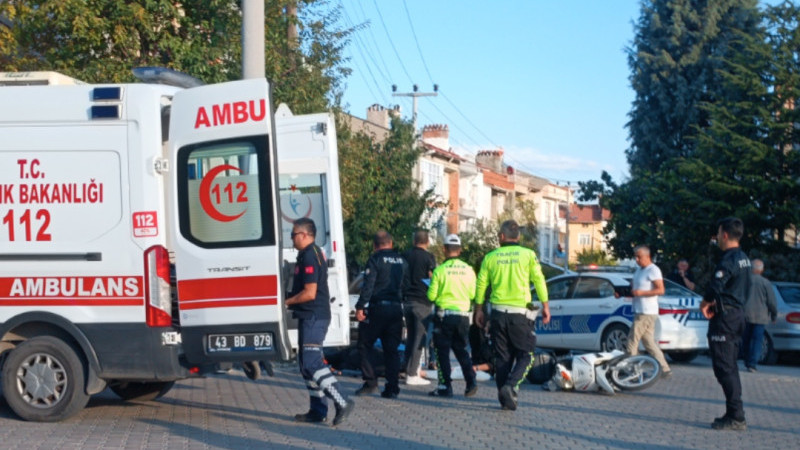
634, 373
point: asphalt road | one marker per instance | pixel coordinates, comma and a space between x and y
230, 411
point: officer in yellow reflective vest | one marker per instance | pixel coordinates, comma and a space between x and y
509, 271
452, 290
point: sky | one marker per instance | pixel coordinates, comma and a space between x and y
547, 81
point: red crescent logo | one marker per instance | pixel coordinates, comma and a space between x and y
205, 195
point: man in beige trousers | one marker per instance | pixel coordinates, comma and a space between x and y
647, 285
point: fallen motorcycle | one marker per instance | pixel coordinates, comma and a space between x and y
604, 371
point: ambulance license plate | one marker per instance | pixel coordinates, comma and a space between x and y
240, 342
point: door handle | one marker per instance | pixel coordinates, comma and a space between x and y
555, 307
607, 305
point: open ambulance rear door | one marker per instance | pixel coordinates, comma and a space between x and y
308, 167
226, 234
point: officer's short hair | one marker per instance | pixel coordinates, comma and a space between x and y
307, 225
382, 238
643, 248
733, 226
421, 237
510, 229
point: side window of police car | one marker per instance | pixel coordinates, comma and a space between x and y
557, 290
593, 288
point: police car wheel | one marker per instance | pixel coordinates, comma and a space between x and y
44, 380
138, 391
615, 337
683, 356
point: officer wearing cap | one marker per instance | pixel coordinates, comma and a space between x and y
451, 291
723, 304
509, 271
309, 302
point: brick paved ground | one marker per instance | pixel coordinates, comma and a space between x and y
230, 411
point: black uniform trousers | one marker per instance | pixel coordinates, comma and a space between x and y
452, 332
724, 338
514, 342
384, 322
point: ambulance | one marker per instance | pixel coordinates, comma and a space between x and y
144, 233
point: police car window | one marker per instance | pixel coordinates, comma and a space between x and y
558, 289
672, 289
593, 288
304, 195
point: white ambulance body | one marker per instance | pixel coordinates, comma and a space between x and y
309, 187
102, 187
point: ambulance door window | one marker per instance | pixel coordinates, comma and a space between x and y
304, 195
225, 193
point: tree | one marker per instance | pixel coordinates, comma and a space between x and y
102, 40
679, 51
378, 189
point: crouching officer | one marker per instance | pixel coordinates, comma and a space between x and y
723, 305
509, 271
385, 279
452, 290
309, 302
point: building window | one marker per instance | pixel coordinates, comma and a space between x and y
432, 176
584, 239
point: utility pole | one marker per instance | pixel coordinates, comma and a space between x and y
415, 95
253, 65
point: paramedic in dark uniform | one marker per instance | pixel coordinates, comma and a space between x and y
509, 271
452, 290
723, 304
379, 311
309, 302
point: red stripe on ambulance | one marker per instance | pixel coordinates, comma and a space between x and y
228, 292
72, 291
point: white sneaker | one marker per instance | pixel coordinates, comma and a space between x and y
416, 380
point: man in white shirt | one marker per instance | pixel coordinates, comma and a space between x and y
647, 285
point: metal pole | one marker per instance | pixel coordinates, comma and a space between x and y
253, 39
415, 95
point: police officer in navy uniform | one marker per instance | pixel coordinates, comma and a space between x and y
309, 302
723, 304
385, 279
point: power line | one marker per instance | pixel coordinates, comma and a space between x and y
419, 49
389, 36
374, 39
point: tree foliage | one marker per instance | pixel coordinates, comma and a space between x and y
102, 40
381, 192
713, 129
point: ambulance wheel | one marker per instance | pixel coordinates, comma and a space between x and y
43, 380
141, 391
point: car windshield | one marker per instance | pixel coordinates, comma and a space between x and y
790, 294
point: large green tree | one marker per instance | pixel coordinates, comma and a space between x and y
102, 40
381, 193
679, 48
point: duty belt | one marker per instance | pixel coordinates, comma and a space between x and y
510, 309
385, 303
450, 312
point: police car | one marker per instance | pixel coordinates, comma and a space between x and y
593, 311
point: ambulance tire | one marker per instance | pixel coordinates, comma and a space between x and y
141, 391
44, 380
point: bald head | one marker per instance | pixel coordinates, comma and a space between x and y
758, 266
